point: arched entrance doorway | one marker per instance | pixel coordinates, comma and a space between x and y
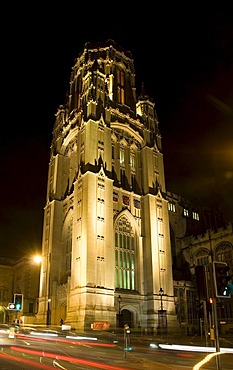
4, 318
63, 310
126, 317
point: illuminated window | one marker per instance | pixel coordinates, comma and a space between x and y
132, 160
122, 155
109, 82
195, 216
124, 255
121, 86
186, 212
171, 207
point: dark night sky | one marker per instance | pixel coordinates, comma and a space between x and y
184, 56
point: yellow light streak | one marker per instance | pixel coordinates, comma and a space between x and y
205, 360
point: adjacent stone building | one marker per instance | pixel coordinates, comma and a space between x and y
19, 276
199, 236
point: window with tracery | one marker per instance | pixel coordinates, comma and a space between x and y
68, 246
202, 257
224, 253
124, 254
191, 306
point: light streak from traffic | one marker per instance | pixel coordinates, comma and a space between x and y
178, 347
67, 339
33, 364
205, 360
66, 358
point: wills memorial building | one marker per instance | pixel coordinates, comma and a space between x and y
106, 242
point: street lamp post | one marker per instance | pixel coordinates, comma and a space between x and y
161, 297
37, 260
48, 316
162, 314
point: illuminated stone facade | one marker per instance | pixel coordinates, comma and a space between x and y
19, 276
106, 223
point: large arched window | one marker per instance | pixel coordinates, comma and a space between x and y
65, 261
124, 254
224, 253
202, 257
120, 86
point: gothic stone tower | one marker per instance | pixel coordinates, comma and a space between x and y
106, 226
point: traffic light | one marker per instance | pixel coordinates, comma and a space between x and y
221, 279
11, 306
18, 301
209, 304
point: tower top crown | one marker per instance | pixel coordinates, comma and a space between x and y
107, 44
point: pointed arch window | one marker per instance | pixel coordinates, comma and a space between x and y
132, 160
224, 253
122, 156
202, 257
68, 246
121, 86
65, 262
124, 254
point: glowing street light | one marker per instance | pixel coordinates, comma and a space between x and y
37, 259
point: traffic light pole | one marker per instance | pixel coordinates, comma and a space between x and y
215, 319
205, 322
217, 346
221, 289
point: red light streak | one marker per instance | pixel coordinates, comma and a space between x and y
25, 361
67, 358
